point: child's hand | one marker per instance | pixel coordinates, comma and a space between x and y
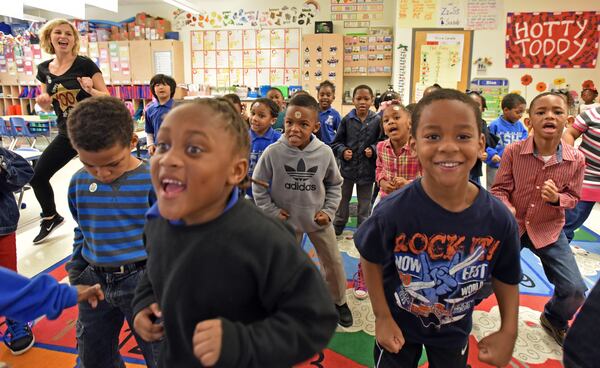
369, 152
90, 294
348, 155
144, 325
86, 83
387, 186
399, 182
322, 219
388, 334
496, 158
151, 149
283, 215
207, 341
497, 348
550, 192
483, 156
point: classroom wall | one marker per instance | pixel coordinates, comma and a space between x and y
491, 43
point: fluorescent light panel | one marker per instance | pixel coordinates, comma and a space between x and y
183, 5
74, 8
110, 5
12, 8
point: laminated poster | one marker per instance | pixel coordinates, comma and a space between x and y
198, 76
210, 77
250, 60
222, 40
264, 39
235, 77
417, 13
223, 59
197, 40
277, 58
277, 38
249, 39
210, 40
292, 58
197, 59
250, 77
262, 77
210, 59
235, 39
263, 58
292, 38
236, 59
223, 78
277, 77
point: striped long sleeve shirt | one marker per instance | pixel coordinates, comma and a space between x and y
110, 219
519, 184
588, 123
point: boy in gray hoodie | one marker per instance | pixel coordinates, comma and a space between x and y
305, 191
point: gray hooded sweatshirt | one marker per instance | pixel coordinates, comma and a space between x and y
302, 182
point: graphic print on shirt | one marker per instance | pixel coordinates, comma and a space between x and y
507, 138
440, 274
300, 174
67, 98
329, 121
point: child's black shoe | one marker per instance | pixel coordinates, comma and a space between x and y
344, 315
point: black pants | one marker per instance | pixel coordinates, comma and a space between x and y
54, 158
409, 356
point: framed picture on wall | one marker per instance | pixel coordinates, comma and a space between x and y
324, 27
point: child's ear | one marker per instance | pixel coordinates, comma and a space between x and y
238, 171
527, 122
412, 143
134, 141
317, 127
570, 120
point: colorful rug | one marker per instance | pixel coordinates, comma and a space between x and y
353, 347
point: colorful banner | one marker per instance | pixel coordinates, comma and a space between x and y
552, 40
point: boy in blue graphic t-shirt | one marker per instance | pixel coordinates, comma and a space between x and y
508, 128
328, 116
429, 247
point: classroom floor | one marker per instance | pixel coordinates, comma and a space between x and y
352, 347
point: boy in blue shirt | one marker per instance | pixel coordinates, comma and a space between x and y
328, 116
429, 247
163, 89
508, 128
108, 199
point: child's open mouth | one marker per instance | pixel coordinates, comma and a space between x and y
172, 187
549, 127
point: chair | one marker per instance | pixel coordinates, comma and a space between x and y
40, 129
6, 132
19, 128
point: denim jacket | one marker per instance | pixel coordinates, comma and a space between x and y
357, 136
15, 172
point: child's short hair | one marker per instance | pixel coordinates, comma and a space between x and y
273, 107
99, 123
440, 95
480, 95
362, 86
300, 92
512, 100
411, 107
275, 89
162, 79
326, 83
305, 100
386, 96
233, 98
551, 93
593, 90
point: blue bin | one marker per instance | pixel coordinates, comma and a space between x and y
172, 36
294, 89
263, 90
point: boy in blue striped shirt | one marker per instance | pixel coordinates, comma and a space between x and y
108, 199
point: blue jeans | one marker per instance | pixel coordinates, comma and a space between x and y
98, 329
575, 217
562, 271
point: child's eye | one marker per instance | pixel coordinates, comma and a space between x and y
194, 150
464, 137
432, 137
162, 147
304, 125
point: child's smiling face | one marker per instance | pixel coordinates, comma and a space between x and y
196, 164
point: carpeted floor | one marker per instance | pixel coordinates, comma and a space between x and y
352, 347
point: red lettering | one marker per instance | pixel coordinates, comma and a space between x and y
418, 243
437, 246
401, 243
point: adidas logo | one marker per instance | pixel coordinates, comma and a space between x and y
301, 174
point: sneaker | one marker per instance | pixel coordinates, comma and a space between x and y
360, 288
338, 230
557, 333
344, 315
18, 337
47, 226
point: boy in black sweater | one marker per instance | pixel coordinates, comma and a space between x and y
233, 288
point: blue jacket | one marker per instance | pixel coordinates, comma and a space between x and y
257, 145
26, 299
330, 121
357, 136
507, 133
18, 172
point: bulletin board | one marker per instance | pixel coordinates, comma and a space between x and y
442, 57
250, 57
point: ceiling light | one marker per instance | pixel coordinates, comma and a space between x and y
33, 18
183, 5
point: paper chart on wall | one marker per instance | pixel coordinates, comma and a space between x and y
277, 58
210, 77
250, 77
439, 64
197, 40
249, 39
210, 40
198, 76
223, 59
292, 76
417, 13
263, 58
277, 38
197, 59
482, 14
451, 13
235, 39
223, 78
250, 59
277, 77
450, 39
222, 41
262, 77
264, 39
235, 77
93, 52
235, 59
292, 38
210, 59
114, 57
292, 58
124, 59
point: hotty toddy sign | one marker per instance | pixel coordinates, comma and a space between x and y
552, 40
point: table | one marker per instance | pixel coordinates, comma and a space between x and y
30, 118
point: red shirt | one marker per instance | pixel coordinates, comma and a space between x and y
405, 165
519, 183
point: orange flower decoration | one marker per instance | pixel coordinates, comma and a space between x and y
526, 80
541, 87
588, 84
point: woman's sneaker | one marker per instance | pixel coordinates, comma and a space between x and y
18, 337
47, 226
360, 288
